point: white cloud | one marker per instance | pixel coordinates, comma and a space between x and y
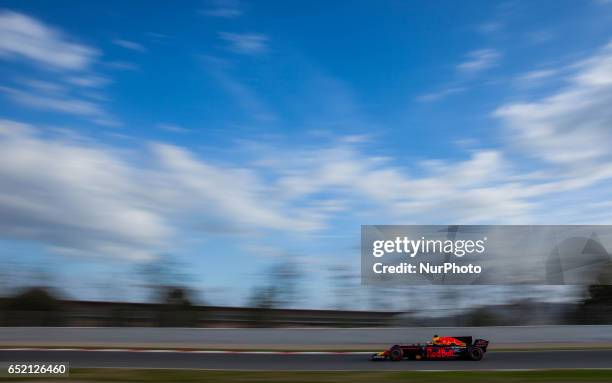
479, 60
173, 128
238, 194
537, 75
81, 198
24, 37
42, 86
246, 97
121, 65
465, 191
475, 62
224, 8
88, 81
131, 45
28, 39
58, 102
246, 43
78, 199
84, 199
572, 126
566, 135
131, 204
440, 95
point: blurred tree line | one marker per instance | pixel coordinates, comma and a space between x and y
172, 302
33, 307
174, 307
596, 308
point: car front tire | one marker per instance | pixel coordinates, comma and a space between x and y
397, 354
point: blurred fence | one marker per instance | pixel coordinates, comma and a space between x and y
36, 307
118, 314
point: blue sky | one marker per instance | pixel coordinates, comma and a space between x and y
234, 134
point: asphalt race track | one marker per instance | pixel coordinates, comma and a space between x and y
310, 362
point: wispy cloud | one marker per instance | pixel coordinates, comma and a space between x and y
121, 65
42, 86
92, 202
173, 128
121, 208
132, 209
567, 133
131, 45
490, 27
479, 60
476, 61
442, 94
246, 43
24, 37
98, 202
224, 8
59, 103
572, 126
246, 98
88, 81
537, 77
539, 74
62, 69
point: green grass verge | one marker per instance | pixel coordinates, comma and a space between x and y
163, 375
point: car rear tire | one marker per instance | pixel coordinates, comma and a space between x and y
397, 354
475, 353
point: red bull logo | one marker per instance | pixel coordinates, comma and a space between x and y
439, 353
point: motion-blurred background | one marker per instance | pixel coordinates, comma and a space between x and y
209, 163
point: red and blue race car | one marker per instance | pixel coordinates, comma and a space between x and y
441, 348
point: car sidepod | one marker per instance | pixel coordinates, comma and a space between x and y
443, 352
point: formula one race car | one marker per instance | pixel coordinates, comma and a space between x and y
441, 348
